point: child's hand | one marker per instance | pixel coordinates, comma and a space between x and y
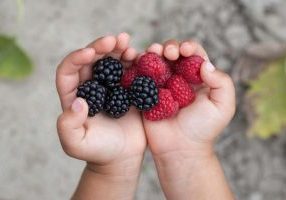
118, 144
182, 146
201, 122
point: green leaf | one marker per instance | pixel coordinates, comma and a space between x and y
14, 62
268, 98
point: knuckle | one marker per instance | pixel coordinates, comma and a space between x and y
68, 58
69, 146
233, 111
69, 149
61, 123
226, 78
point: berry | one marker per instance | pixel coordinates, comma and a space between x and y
144, 93
94, 95
181, 91
128, 77
108, 72
189, 68
117, 102
167, 107
152, 65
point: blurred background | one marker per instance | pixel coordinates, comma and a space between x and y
245, 38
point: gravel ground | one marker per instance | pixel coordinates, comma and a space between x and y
32, 164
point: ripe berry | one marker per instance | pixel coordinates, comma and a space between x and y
189, 68
94, 94
152, 65
144, 93
117, 102
108, 72
128, 77
181, 91
166, 108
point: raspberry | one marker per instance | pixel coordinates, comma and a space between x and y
108, 72
181, 91
128, 77
117, 102
189, 68
152, 65
144, 93
94, 94
167, 107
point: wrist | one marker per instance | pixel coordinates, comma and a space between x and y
123, 169
120, 177
98, 180
193, 177
180, 164
187, 151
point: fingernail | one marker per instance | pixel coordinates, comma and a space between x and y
186, 45
123, 34
171, 48
155, 45
209, 67
76, 105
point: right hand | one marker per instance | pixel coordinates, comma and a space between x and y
100, 140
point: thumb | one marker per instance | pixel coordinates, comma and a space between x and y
70, 125
222, 92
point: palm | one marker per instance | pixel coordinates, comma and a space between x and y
191, 125
200, 122
108, 139
99, 139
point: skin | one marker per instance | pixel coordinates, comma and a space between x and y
182, 147
113, 149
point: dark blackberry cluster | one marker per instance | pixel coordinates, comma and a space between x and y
104, 92
108, 72
117, 102
94, 94
144, 93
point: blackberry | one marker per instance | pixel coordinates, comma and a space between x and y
144, 93
108, 71
117, 102
94, 95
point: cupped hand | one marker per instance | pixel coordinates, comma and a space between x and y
99, 140
193, 130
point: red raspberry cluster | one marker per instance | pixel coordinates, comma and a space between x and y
175, 81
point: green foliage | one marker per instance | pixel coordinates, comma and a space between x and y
14, 62
268, 98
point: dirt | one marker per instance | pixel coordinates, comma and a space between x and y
33, 165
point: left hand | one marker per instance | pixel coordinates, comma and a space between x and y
193, 130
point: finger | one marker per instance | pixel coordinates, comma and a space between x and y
72, 63
139, 55
102, 46
71, 126
222, 92
122, 44
171, 50
191, 47
128, 56
67, 76
156, 48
